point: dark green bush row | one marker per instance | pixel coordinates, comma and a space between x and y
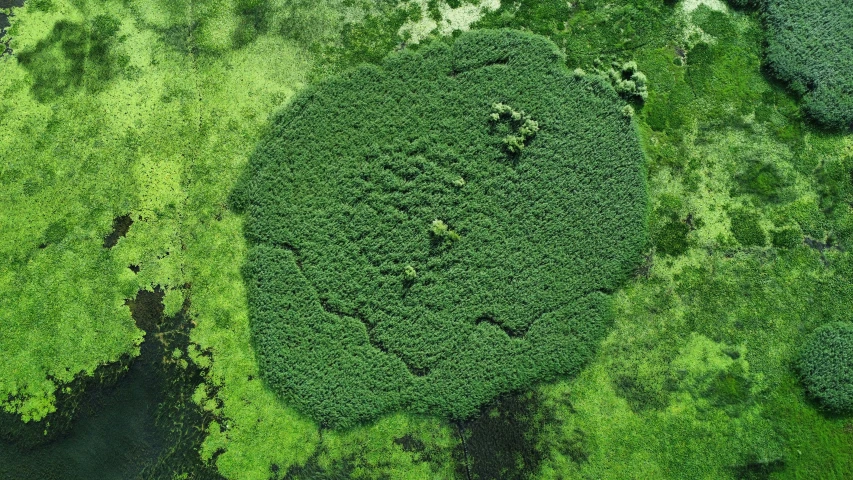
826, 366
402, 256
810, 46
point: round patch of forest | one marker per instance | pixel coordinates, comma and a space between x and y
440, 229
826, 366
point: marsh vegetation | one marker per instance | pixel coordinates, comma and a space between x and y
513, 267
382, 186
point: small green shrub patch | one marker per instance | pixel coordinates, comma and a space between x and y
670, 238
404, 254
762, 179
787, 237
747, 229
75, 55
826, 366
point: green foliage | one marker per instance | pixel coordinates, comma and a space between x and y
761, 179
586, 29
64, 179
628, 81
363, 169
166, 135
371, 38
164, 145
826, 366
523, 126
670, 236
746, 228
809, 46
835, 181
442, 233
645, 411
746, 3
787, 237
409, 273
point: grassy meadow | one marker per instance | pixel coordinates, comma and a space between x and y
148, 111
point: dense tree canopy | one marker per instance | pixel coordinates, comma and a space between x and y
826, 364
432, 232
809, 45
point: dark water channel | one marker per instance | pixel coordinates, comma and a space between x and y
4, 22
138, 424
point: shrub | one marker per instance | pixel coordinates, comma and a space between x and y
75, 55
787, 237
746, 3
747, 229
442, 233
809, 46
670, 238
525, 127
628, 81
826, 366
409, 273
358, 179
762, 179
835, 186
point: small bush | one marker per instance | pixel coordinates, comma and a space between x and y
787, 237
442, 233
747, 229
409, 273
670, 238
762, 179
628, 81
826, 366
524, 126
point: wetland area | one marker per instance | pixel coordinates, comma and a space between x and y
426, 239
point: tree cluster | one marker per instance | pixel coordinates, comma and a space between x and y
809, 46
400, 258
826, 366
524, 126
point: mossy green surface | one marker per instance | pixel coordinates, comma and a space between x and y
698, 378
158, 140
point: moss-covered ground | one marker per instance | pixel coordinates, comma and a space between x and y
150, 109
